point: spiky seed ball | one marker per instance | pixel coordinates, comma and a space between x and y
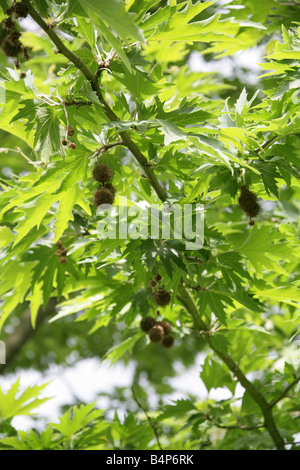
8, 23
156, 333
64, 142
157, 277
168, 341
23, 75
20, 10
63, 260
11, 45
59, 252
9, 11
253, 212
103, 196
71, 131
14, 36
9, 49
252, 222
166, 326
247, 199
110, 187
102, 173
147, 323
58, 243
72, 145
152, 283
162, 297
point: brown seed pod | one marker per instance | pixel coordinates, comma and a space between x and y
63, 260
62, 251
23, 75
247, 199
168, 341
147, 323
11, 45
14, 36
110, 187
9, 11
72, 145
253, 212
102, 173
152, 283
252, 222
64, 142
166, 326
156, 333
8, 23
17, 64
58, 243
157, 277
103, 196
20, 10
162, 297
71, 131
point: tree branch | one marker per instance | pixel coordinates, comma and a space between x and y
24, 331
269, 423
93, 79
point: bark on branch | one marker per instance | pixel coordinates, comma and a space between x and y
24, 331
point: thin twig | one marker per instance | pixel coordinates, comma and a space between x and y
67, 119
148, 418
18, 150
284, 393
236, 426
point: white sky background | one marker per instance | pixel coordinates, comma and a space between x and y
88, 378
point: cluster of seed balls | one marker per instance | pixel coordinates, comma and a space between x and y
158, 331
105, 193
160, 296
248, 203
70, 133
61, 252
11, 44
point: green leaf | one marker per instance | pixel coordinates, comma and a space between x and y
75, 419
34, 212
119, 350
112, 12
11, 405
215, 375
263, 250
179, 409
47, 133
